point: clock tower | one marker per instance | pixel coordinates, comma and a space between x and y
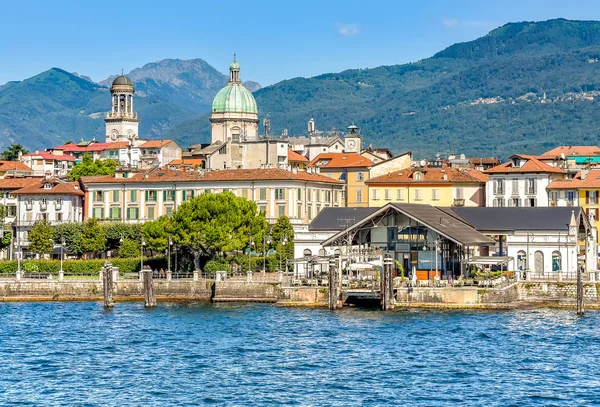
352, 140
121, 122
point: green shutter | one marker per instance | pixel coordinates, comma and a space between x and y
164, 195
146, 196
193, 193
183, 195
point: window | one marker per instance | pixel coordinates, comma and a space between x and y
47, 186
554, 196
515, 186
169, 211
531, 186
359, 195
336, 196
98, 196
98, 213
360, 176
151, 196
132, 196
207, 191
299, 194
307, 253
186, 195
263, 194
400, 194
169, 196
521, 260
538, 261
29, 217
318, 195
388, 194
280, 210
11, 210
499, 202
375, 194
115, 213
133, 213
116, 196
309, 192
150, 213
262, 208
328, 196
44, 202
435, 194
592, 197
58, 202
556, 261
279, 193
309, 212
59, 216
531, 202
571, 197
499, 186
418, 194
459, 193
514, 202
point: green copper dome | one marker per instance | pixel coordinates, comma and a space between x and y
234, 65
234, 98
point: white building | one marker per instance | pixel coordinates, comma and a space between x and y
520, 182
47, 164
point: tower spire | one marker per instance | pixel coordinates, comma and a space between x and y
234, 71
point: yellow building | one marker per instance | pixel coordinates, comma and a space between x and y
352, 169
424, 185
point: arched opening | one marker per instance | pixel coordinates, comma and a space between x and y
307, 253
538, 259
521, 260
322, 252
556, 261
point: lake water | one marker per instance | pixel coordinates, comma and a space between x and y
78, 354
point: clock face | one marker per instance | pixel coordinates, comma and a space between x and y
351, 144
114, 135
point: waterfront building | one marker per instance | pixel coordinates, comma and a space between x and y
50, 199
520, 182
46, 164
352, 169
545, 242
437, 186
146, 196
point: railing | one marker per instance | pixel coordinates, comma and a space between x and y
459, 202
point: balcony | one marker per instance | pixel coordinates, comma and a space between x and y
458, 202
531, 191
553, 203
499, 191
43, 206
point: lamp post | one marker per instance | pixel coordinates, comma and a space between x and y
19, 253
62, 245
143, 243
567, 244
169, 257
250, 244
283, 243
266, 241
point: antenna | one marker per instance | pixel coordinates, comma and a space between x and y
122, 72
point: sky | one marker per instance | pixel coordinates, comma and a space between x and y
273, 40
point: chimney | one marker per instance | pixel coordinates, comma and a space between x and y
584, 174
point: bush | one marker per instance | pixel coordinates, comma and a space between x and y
212, 266
129, 249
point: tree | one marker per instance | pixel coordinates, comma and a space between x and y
93, 236
88, 166
213, 224
12, 152
115, 231
283, 231
156, 234
129, 248
40, 238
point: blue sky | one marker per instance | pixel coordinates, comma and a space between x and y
273, 40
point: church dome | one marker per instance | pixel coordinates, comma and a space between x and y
122, 80
234, 98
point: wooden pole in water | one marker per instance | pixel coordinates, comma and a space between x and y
333, 285
580, 310
386, 290
149, 299
107, 280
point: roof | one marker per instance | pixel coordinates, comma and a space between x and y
18, 183
429, 175
314, 140
78, 148
234, 98
117, 144
13, 166
484, 160
569, 151
187, 161
532, 165
209, 149
49, 156
436, 219
165, 175
156, 143
122, 80
592, 180
339, 218
294, 157
340, 160
58, 188
508, 219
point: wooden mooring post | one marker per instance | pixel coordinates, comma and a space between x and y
107, 285
386, 296
580, 310
149, 298
334, 285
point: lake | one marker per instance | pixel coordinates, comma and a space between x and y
78, 354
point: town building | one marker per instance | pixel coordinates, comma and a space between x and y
437, 186
352, 169
14, 169
520, 182
146, 196
377, 155
297, 161
46, 164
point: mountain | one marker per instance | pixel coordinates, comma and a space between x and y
524, 87
56, 106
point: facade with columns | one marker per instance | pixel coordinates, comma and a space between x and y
122, 123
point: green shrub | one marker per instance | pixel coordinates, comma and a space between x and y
218, 264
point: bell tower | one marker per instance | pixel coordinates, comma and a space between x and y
121, 122
352, 140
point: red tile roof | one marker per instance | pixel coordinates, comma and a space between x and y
340, 160
569, 151
270, 174
484, 160
18, 183
592, 180
13, 165
74, 148
49, 156
188, 161
58, 188
294, 157
428, 175
155, 143
532, 165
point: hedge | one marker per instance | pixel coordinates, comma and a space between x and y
82, 267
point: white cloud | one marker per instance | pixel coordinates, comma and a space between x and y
348, 30
454, 23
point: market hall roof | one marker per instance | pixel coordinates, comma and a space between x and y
493, 219
339, 218
436, 219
